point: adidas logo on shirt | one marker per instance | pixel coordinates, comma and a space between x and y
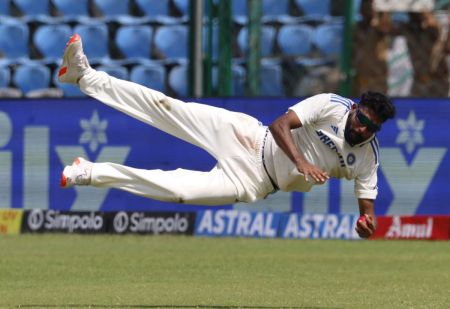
335, 129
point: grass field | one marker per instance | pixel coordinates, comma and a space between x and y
74, 271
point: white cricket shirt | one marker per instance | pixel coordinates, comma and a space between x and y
321, 141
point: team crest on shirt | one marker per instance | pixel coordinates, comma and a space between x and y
351, 159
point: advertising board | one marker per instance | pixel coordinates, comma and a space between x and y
155, 223
10, 221
39, 137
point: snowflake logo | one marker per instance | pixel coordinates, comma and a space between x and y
410, 132
93, 131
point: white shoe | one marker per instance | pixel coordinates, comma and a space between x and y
79, 173
75, 63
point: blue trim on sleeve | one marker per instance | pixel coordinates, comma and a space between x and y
341, 100
374, 144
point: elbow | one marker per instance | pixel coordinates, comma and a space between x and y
271, 127
273, 130
276, 127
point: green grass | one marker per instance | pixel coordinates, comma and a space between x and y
74, 271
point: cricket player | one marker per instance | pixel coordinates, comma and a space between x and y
321, 137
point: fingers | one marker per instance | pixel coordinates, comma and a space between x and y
320, 177
311, 171
363, 232
305, 174
365, 226
317, 175
370, 223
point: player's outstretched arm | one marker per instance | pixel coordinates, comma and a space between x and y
367, 222
281, 132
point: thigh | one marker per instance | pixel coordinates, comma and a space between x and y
221, 132
216, 130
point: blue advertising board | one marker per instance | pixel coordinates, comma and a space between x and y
39, 137
226, 223
237, 223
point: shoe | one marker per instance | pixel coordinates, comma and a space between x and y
79, 173
75, 63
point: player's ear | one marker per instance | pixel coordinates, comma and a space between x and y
354, 106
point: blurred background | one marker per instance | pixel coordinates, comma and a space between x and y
210, 48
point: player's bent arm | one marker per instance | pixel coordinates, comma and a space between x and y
367, 222
281, 132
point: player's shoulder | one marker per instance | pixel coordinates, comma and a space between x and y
335, 106
340, 102
329, 104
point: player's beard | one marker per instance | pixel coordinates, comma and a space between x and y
351, 136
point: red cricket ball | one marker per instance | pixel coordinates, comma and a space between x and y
362, 218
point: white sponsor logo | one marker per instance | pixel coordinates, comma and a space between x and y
138, 222
239, 223
72, 222
120, 222
407, 230
53, 220
35, 219
409, 180
320, 226
37, 162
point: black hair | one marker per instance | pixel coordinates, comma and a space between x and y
380, 104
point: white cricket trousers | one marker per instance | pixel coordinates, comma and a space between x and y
234, 139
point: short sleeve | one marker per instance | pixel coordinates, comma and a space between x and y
366, 184
311, 109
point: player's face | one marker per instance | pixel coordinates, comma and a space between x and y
361, 124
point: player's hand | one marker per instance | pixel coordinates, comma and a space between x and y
311, 171
365, 226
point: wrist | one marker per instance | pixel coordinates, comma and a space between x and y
299, 161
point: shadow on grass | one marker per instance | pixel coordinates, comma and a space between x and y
172, 306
